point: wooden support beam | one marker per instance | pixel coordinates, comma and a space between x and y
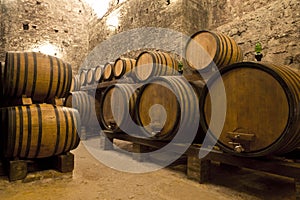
198, 169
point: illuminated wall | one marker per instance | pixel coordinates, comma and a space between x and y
57, 28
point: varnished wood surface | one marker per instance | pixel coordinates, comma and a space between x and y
38, 130
82, 77
75, 84
257, 103
35, 75
108, 71
207, 48
123, 66
117, 106
87, 106
155, 63
90, 76
98, 73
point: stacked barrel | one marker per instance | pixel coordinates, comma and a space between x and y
259, 101
36, 129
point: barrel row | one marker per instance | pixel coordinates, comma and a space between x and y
260, 106
148, 64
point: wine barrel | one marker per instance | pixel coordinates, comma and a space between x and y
206, 49
83, 77
87, 106
98, 73
155, 63
90, 76
108, 73
41, 77
123, 66
75, 84
117, 106
38, 130
262, 114
165, 104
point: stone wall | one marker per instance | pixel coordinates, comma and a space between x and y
38, 25
276, 26
274, 23
142, 25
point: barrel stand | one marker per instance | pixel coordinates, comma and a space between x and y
18, 169
199, 169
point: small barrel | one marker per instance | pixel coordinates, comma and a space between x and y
108, 73
206, 49
90, 76
123, 66
165, 104
117, 106
87, 106
83, 77
155, 63
98, 73
75, 84
38, 130
262, 113
41, 77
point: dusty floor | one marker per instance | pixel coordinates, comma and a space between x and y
93, 180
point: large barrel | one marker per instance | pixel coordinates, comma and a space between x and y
108, 73
123, 66
98, 73
90, 76
87, 106
38, 130
263, 112
165, 104
75, 84
83, 77
35, 75
155, 63
206, 49
117, 106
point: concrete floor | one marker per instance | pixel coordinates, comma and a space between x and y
93, 180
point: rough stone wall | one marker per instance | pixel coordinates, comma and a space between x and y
276, 26
274, 23
132, 15
58, 23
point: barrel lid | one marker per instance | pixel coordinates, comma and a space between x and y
144, 65
201, 49
158, 108
118, 67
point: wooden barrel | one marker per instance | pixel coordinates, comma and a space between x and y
263, 112
108, 73
35, 75
90, 76
117, 106
2, 64
87, 106
83, 77
75, 84
123, 66
98, 73
38, 130
155, 63
166, 103
206, 48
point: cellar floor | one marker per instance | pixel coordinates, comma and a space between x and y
93, 180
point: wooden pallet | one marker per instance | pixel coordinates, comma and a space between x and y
199, 169
18, 169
